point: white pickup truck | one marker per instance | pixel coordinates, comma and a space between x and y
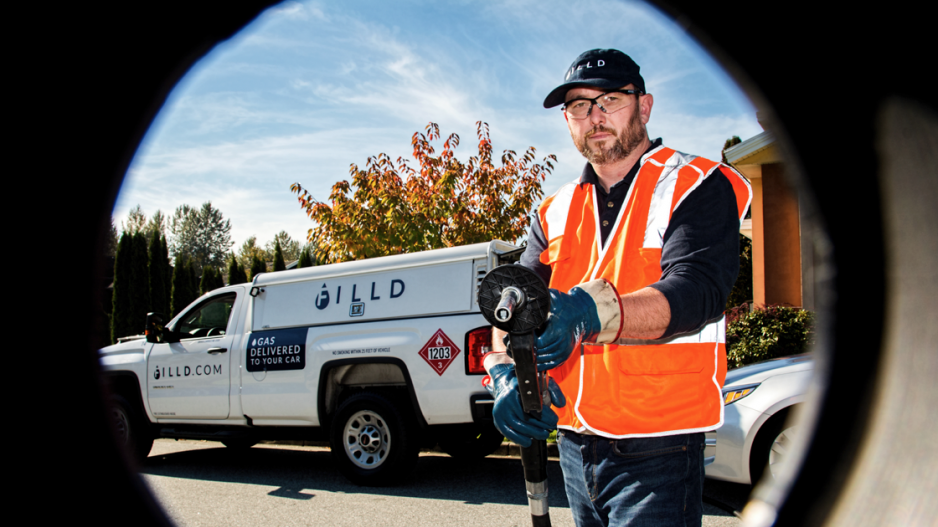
379, 356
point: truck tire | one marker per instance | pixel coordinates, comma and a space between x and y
477, 444
132, 433
373, 443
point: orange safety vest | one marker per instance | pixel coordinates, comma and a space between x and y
636, 388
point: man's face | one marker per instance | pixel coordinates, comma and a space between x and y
605, 138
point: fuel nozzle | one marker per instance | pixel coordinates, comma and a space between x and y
512, 298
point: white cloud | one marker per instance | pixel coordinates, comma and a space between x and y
249, 180
312, 87
292, 10
702, 136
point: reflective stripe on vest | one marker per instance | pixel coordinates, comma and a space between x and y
636, 388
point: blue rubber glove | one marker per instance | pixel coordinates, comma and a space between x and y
573, 319
510, 418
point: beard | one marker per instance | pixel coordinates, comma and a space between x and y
623, 144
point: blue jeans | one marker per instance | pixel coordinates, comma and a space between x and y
654, 481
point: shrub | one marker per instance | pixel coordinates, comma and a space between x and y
766, 333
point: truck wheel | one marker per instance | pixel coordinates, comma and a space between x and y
132, 433
372, 442
477, 444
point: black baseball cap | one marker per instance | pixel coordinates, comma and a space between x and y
599, 68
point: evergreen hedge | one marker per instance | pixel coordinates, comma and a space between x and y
258, 266
305, 260
766, 333
159, 299
205, 284
211, 280
236, 274
167, 276
279, 264
121, 319
185, 285
140, 288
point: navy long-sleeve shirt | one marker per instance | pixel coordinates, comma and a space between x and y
700, 252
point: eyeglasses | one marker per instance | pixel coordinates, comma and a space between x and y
609, 102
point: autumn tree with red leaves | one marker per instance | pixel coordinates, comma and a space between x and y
391, 208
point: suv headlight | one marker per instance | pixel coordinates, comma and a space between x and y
731, 395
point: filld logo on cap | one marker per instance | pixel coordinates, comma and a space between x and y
599, 63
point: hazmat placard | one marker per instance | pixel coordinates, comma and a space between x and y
439, 352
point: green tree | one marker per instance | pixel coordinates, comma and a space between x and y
194, 277
157, 225
140, 292
211, 280
391, 208
279, 264
136, 221
121, 309
249, 251
742, 289
305, 260
131, 295
219, 279
288, 246
313, 251
112, 239
258, 266
236, 274
203, 235
178, 293
205, 283
184, 288
732, 141
106, 305
167, 275
159, 301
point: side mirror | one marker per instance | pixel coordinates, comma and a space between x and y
155, 331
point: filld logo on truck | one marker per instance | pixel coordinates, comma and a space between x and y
324, 297
185, 371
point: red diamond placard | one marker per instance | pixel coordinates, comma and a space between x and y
439, 352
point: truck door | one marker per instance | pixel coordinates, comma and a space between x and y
191, 379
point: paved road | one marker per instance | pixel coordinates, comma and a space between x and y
201, 483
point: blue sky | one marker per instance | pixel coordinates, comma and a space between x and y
311, 87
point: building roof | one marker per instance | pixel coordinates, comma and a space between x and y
757, 150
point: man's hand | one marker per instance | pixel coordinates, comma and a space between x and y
510, 418
590, 312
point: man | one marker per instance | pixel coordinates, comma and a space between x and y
640, 253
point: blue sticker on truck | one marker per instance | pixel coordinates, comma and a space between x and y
282, 349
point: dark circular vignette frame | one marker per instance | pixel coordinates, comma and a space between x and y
829, 84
